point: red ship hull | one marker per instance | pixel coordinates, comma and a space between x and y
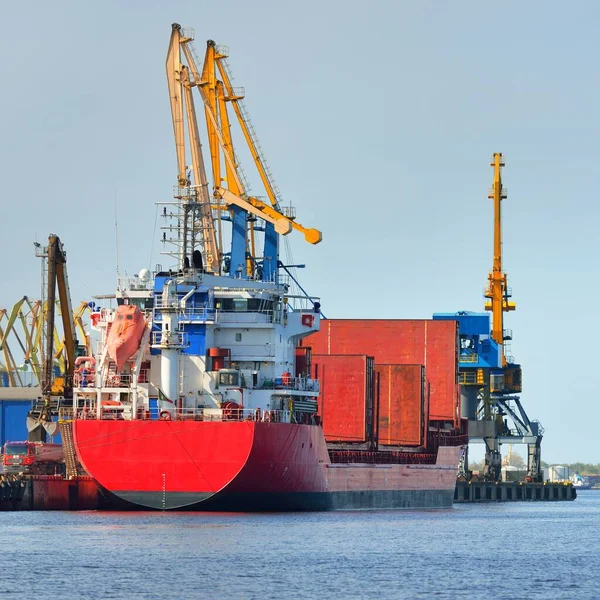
249, 466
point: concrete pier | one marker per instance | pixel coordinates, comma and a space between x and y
519, 491
27, 492
82, 493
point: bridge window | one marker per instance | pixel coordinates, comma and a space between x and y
229, 378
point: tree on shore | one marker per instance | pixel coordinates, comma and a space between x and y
585, 468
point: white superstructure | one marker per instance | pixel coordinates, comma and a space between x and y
213, 347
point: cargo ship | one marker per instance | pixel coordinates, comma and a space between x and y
217, 408
202, 393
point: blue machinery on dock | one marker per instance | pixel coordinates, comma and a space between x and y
490, 397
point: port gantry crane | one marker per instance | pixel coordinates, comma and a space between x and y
30, 339
501, 400
28, 314
204, 210
489, 378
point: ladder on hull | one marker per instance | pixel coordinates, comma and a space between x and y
71, 462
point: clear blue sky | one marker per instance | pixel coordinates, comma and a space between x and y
378, 120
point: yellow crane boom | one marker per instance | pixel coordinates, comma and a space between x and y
282, 225
497, 291
180, 95
213, 81
312, 236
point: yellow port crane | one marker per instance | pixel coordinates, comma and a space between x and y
498, 292
230, 194
28, 314
60, 343
54, 387
501, 401
30, 345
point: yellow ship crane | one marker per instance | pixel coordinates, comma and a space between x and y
231, 197
194, 193
497, 292
312, 236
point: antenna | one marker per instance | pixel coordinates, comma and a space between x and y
116, 235
153, 238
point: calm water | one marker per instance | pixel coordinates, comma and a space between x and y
494, 551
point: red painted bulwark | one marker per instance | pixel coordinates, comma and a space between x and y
427, 342
401, 404
344, 396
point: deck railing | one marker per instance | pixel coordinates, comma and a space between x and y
83, 380
301, 384
118, 411
381, 457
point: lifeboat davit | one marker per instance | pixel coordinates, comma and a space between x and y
125, 334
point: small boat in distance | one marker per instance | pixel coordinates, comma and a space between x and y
581, 482
125, 334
